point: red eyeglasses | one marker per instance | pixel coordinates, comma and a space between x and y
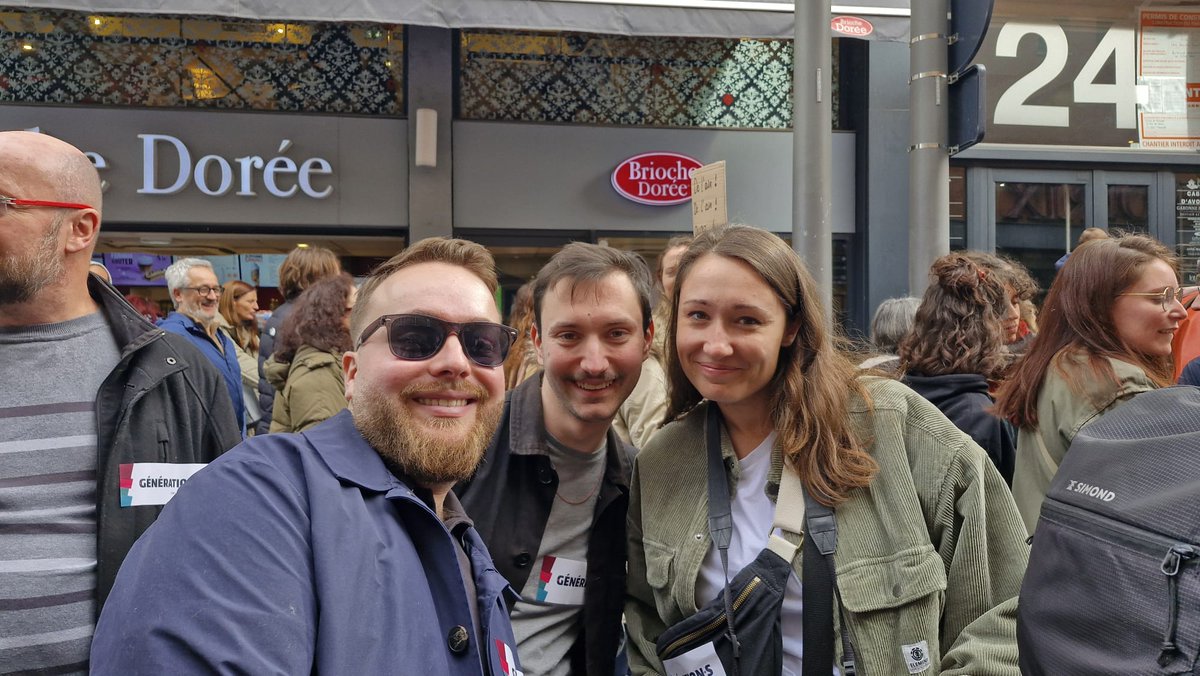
7, 203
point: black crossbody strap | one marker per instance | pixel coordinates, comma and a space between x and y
820, 585
720, 517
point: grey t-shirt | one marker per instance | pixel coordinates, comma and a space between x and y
546, 619
51, 373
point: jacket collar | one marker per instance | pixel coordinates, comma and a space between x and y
527, 431
348, 455
129, 327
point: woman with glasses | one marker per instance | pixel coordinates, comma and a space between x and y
955, 351
237, 316
306, 368
1106, 331
929, 554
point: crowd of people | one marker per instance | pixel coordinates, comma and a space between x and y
387, 477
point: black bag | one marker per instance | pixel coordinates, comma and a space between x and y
1113, 584
739, 632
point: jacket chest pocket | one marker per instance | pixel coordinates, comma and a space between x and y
894, 607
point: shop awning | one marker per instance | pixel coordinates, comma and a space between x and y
885, 19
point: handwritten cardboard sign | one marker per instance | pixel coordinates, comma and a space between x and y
708, 197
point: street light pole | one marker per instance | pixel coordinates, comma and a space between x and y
928, 156
812, 153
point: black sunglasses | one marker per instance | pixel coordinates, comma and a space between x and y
418, 337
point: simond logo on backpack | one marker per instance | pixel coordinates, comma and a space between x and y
1090, 490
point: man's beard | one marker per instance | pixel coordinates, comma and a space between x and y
425, 456
196, 313
23, 277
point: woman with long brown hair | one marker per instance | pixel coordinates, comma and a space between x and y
1106, 331
928, 539
306, 368
237, 316
955, 351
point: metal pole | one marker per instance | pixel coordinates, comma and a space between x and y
928, 157
812, 153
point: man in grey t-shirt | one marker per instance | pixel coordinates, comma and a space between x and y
551, 495
94, 398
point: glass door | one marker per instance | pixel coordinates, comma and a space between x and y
1037, 216
1125, 201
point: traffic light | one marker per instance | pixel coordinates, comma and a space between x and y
966, 84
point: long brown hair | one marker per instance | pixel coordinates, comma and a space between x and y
958, 328
1077, 321
319, 319
814, 383
521, 318
245, 334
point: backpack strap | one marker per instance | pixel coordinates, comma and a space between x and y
720, 516
797, 512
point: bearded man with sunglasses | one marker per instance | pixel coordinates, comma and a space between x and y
94, 397
341, 549
552, 493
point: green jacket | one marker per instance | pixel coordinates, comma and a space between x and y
308, 390
932, 550
1061, 413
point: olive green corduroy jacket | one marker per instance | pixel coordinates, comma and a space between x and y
933, 550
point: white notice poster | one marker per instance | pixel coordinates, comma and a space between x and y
1169, 75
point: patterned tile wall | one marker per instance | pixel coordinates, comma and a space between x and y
49, 56
640, 81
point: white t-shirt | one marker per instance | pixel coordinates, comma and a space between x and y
753, 513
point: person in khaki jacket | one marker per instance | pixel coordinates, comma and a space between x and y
930, 548
1107, 329
306, 368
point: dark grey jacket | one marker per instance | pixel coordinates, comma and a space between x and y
164, 402
266, 347
509, 499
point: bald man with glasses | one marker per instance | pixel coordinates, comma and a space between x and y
95, 401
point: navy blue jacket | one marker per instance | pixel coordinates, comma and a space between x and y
226, 362
298, 554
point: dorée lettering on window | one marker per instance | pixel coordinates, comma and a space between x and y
214, 175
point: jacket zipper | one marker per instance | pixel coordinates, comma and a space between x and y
716, 621
1176, 556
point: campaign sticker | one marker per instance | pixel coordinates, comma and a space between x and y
508, 661
700, 661
562, 581
153, 483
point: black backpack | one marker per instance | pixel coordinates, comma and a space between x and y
1113, 584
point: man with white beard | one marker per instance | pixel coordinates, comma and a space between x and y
341, 549
197, 293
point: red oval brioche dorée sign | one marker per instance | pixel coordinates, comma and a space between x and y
853, 26
657, 179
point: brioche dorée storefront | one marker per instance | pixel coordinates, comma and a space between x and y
234, 184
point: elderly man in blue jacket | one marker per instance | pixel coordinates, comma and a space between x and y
342, 550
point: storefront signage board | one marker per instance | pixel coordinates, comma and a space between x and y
175, 167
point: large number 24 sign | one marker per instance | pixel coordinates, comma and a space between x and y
1118, 44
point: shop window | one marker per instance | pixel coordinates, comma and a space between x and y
627, 80
62, 57
1036, 223
1187, 225
958, 208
